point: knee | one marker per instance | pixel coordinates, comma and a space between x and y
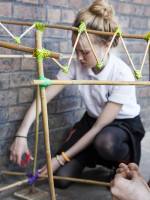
105, 147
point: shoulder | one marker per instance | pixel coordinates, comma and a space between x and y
120, 69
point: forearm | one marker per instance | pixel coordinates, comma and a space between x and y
30, 115
109, 113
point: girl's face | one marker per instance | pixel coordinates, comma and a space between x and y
84, 52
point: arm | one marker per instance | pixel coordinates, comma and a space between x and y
19, 146
104, 119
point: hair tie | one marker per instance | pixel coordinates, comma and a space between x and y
58, 159
65, 157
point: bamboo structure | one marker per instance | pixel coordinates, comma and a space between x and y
38, 41
41, 93
74, 29
91, 82
77, 180
26, 49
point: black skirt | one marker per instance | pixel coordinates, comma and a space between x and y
89, 157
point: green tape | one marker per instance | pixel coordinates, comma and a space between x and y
118, 31
40, 26
65, 69
17, 40
41, 54
82, 27
44, 82
138, 74
147, 36
99, 65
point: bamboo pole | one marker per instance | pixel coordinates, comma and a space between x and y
74, 29
36, 131
127, 53
73, 50
91, 82
13, 185
149, 63
88, 38
147, 47
62, 178
26, 49
112, 40
38, 41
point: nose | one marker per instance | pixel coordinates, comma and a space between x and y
79, 56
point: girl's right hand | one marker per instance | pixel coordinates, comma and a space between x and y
18, 148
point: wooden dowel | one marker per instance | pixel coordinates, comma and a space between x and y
112, 40
57, 63
149, 64
38, 41
127, 53
61, 178
91, 82
26, 49
74, 29
31, 56
36, 131
147, 47
88, 38
73, 50
13, 185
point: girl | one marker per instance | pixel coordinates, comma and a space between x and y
110, 131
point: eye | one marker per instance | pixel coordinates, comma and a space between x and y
86, 52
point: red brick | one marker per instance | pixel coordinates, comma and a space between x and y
14, 29
8, 65
29, 64
75, 4
65, 47
141, 2
27, 12
53, 15
68, 104
5, 9
139, 23
21, 79
68, 16
147, 11
29, 1
61, 3
17, 113
125, 8
54, 32
8, 97
4, 81
26, 95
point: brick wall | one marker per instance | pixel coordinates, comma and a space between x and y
16, 94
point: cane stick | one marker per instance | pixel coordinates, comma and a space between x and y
147, 47
45, 119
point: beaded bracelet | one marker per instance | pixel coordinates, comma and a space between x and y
58, 159
65, 157
21, 136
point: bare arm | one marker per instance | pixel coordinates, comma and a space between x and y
20, 146
108, 114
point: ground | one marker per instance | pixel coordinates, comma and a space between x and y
80, 191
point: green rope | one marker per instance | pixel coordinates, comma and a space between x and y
44, 82
147, 36
82, 27
41, 54
99, 65
40, 26
138, 74
65, 69
17, 40
118, 31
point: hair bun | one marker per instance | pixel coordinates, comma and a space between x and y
101, 8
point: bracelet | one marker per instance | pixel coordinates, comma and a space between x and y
21, 136
58, 159
65, 157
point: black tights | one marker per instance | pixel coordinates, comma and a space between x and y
111, 144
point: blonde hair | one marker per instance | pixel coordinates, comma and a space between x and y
99, 16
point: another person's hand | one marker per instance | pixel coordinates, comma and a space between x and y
18, 148
129, 185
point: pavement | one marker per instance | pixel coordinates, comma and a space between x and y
84, 191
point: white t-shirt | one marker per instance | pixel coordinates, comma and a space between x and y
95, 97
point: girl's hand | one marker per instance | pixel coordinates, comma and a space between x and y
17, 149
